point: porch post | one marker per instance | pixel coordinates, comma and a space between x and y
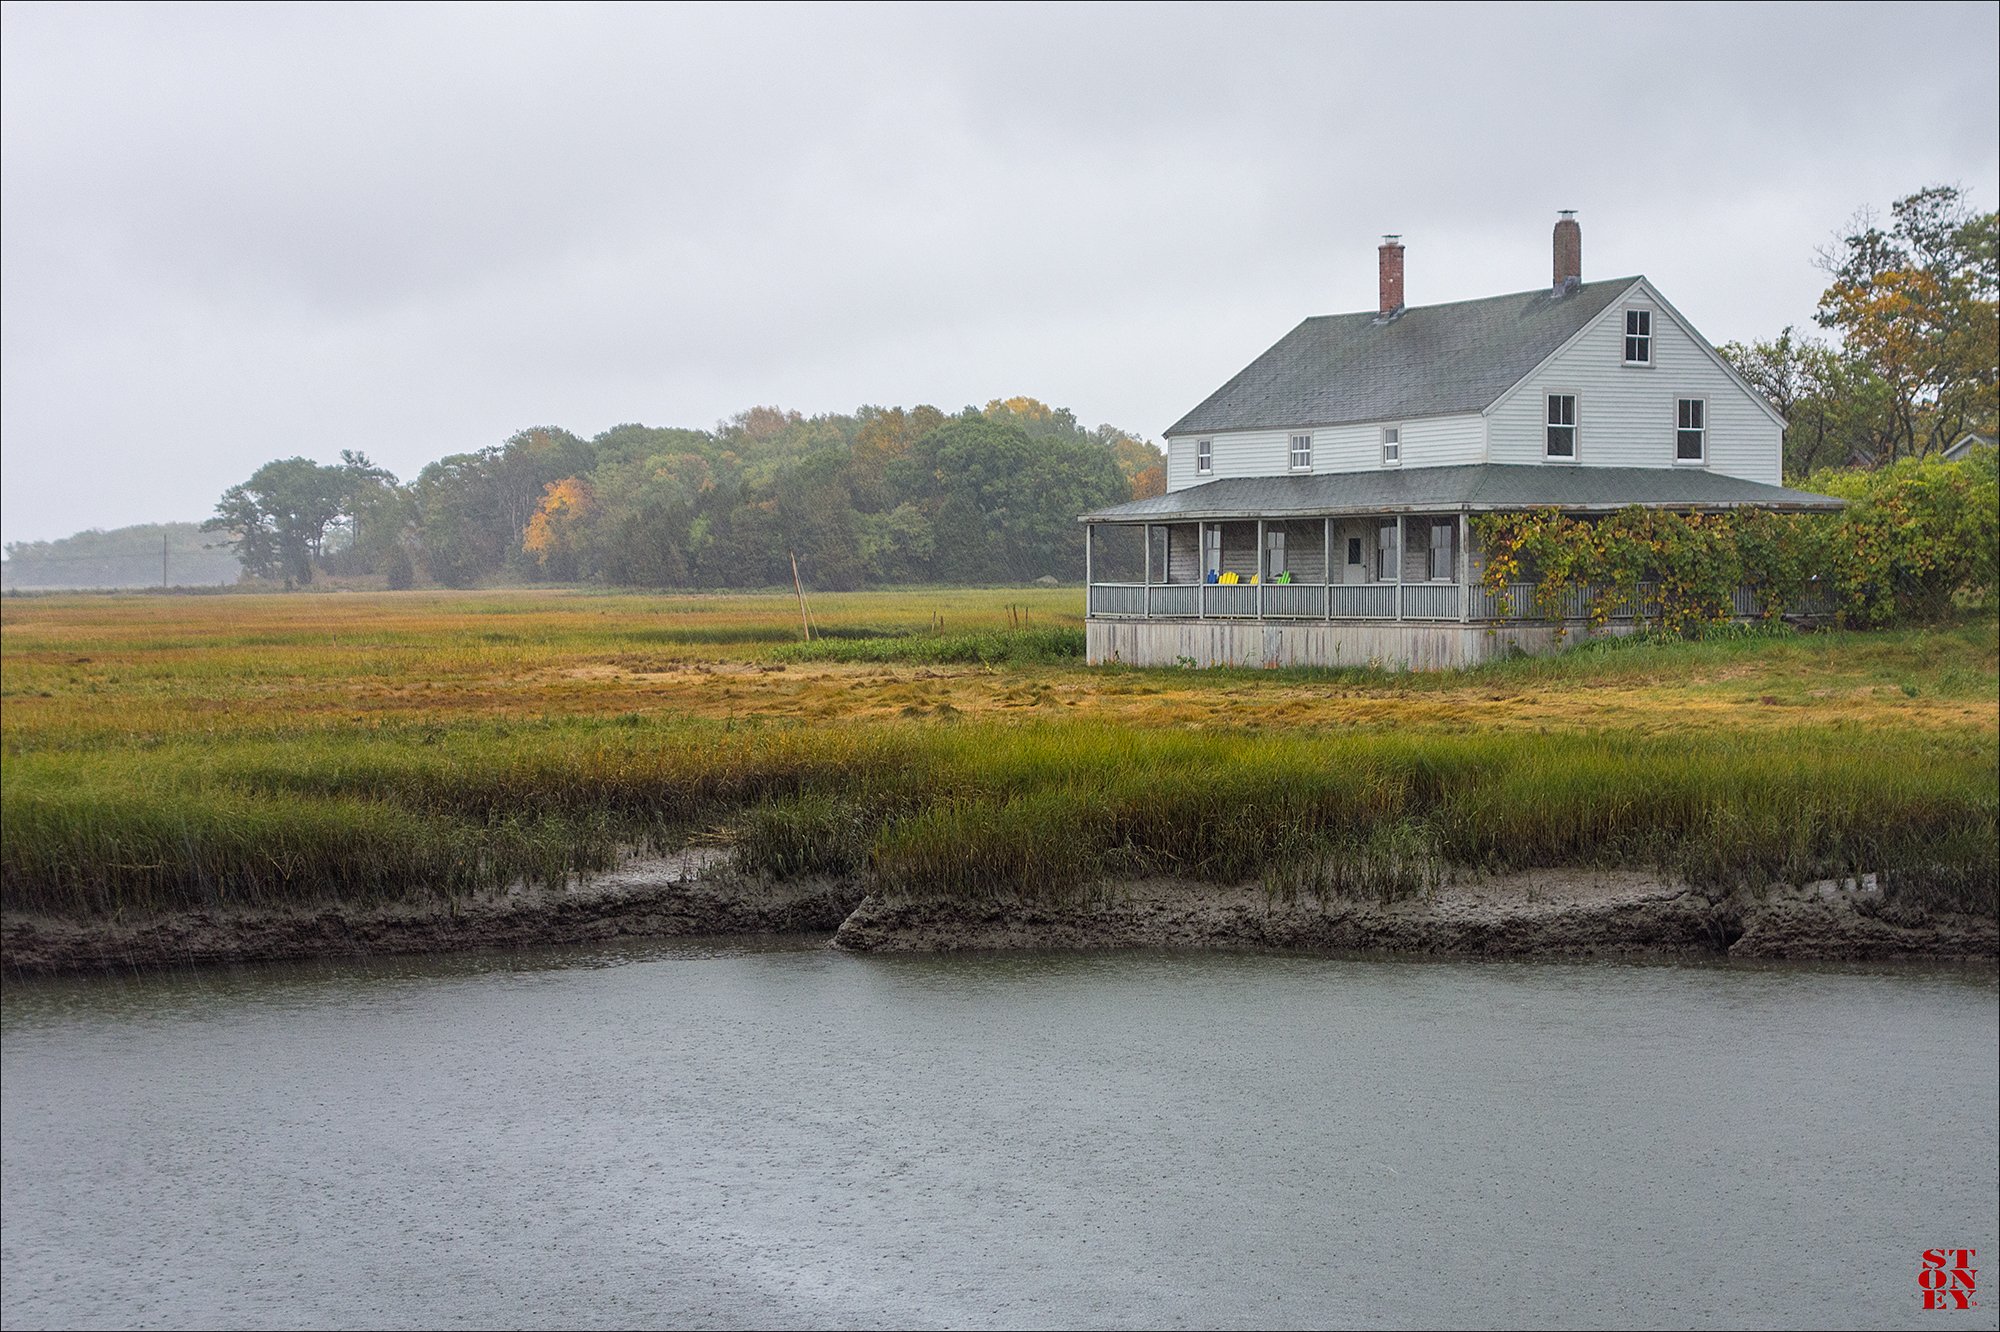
1464, 568
1146, 605
1326, 566
1201, 570
1263, 567
1401, 553
1089, 540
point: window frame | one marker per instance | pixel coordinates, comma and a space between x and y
1646, 338
1292, 452
1387, 550
1432, 550
1574, 425
1204, 457
1392, 438
1702, 429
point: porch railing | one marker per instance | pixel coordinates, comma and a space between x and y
1430, 601
1363, 601
1295, 601
1378, 601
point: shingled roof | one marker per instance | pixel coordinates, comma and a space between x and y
1430, 360
1474, 487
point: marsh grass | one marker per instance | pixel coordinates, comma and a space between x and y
1005, 647
201, 752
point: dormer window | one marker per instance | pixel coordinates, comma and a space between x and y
1204, 457
1302, 453
1638, 337
1392, 445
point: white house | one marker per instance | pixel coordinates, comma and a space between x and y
1317, 507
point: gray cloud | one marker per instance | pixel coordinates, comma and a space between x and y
233, 233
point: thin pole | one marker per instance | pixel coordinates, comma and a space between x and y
1326, 563
1263, 565
800, 588
1399, 566
163, 559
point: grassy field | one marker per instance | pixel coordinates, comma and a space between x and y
177, 751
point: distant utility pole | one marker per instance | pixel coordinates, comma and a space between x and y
163, 559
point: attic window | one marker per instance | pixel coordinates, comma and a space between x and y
1638, 337
1204, 456
1302, 453
1561, 436
1392, 445
1690, 430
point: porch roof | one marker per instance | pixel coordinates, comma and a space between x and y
1471, 487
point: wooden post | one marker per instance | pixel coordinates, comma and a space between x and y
1201, 570
1464, 569
1263, 566
1089, 537
1326, 566
1400, 552
1146, 598
800, 588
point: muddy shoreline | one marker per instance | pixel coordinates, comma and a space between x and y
1556, 914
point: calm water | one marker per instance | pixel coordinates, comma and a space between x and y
744, 1136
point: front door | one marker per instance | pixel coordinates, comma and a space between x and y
1357, 568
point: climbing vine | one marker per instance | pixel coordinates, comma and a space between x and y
1913, 537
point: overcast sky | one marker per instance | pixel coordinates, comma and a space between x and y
233, 234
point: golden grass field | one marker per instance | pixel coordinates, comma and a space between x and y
183, 750
92, 669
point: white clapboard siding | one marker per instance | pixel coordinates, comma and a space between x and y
1625, 414
1427, 442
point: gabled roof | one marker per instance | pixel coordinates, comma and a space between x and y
1473, 487
1430, 360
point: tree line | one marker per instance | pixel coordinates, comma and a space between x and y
882, 495
1915, 357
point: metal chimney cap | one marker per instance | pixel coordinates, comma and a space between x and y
1565, 212
1392, 238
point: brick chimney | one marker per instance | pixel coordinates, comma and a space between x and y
1391, 262
1569, 251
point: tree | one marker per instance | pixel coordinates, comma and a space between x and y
1835, 407
278, 520
1919, 304
558, 530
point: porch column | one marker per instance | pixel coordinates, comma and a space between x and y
1464, 569
1146, 606
1401, 558
1263, 567
1326, 567
1089, 540
1201, 571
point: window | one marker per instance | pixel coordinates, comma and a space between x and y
1690, 430
1638, 337
1204, 456
1274, 552
1302, 453
1354, 551
1392, 446
1385, 553
1441, 570
1212, 550
1562, 427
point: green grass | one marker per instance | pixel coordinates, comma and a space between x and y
999, 647
171, 754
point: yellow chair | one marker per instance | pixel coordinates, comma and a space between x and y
1230, 579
